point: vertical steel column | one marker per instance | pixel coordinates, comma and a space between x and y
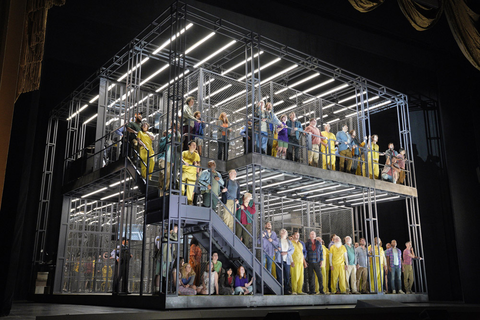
45, 190
100, 130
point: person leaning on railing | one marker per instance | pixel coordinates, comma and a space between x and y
313, 155
344, 149
133, 127
294, 129
244, 214
328, 148
210, 181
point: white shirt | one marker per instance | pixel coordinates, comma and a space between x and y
284, 248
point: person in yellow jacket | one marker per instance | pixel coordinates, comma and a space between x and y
372, 154
190, 159
338, 258
328, 148
379, 265
298, 265
145, 140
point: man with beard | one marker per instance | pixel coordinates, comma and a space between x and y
338, 258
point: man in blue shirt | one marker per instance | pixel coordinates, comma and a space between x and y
345, 148
294, 128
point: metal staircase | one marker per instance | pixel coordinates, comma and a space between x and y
198, 221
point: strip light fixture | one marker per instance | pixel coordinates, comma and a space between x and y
298, 94
218, 91
353, 105
278, 183
329, 187
194, 90
377, 196
171, 81
301, 187
343, 100
241, 63
166, 43
259, 69
336, 119
384, 199
91, 118
231, 43
94, 192
371, 108
117, 183
331, 192
97, 96
277, 75
77, 112
112, 195
297, 83
327, 93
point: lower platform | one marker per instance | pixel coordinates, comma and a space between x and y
202, 302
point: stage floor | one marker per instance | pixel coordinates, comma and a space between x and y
50, 311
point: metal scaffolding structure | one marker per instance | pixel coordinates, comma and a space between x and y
114, 192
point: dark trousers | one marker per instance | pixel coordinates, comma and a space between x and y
223, 148
122, 276
250, 144
284, 274
315, 267
293, 148
186, 138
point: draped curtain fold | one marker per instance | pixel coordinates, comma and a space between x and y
420, 17
33, 44
464, 19
365, 5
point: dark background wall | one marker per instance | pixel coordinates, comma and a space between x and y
380, 45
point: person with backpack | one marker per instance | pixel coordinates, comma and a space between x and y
230, 197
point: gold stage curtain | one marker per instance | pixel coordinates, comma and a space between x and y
33, 44
420, 17
365, 5
464, 19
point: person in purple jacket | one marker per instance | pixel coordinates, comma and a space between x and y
269, 244
242, 285
282, 138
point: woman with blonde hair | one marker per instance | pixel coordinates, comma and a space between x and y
186, 279
222, 136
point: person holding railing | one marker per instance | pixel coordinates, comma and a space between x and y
328, 148
210, 181
373, 155
399, 168
355, 151
223, 133
244, 214
283, 256
294, 129
190, 159
344, 148
282, 138
269, 243
145, 140
133, 128
231, 197
316, 138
